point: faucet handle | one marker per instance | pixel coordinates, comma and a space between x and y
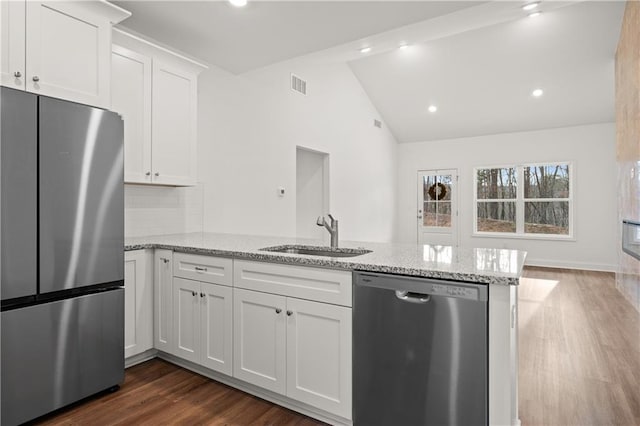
320, 221
330, 217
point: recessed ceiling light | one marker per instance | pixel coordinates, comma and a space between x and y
535, 14
404, 46
365, 50
530, 6
432, 108
238, 3
537, 93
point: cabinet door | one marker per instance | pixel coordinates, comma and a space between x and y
138, 309
216, 311
186, 314
68, 52
259, 339
163, 301
12, 44
173, 119
131, 98
319, 355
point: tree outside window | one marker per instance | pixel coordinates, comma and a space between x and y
541, 205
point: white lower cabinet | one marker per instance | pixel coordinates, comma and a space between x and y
285, 329
163, 300
138, 307
295, 347
319, 355
203, 323
259, 339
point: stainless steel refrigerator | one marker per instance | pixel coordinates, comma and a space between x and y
62, 253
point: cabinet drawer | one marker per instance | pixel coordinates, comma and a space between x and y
322, 285
216, 270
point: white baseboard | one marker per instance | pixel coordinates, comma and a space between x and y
587, 266
140, 358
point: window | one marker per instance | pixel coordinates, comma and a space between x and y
531, 200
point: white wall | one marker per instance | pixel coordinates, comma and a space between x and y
249, 127
591, 149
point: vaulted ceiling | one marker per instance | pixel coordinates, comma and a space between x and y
477, 62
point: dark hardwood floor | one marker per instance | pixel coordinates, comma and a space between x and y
579, 365
159, 393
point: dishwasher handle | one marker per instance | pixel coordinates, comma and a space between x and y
408, 296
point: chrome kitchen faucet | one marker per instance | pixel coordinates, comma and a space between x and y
333, 228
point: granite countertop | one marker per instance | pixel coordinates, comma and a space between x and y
480, 265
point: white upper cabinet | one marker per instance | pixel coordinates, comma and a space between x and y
156, 91
174, 121
12, 49
131, 98
59, 49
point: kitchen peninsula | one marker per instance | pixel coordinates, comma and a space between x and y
228, 309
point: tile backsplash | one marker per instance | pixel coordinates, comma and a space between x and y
156, 210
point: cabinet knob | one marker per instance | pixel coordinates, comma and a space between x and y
289, 313
165, 260
193, 293
157, 174
278, 310
148, 174
17, 74
201, 294
36, 78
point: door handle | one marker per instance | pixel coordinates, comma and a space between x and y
407, 296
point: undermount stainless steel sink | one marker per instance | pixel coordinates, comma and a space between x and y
317, 251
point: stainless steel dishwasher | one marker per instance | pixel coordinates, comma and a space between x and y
419, 351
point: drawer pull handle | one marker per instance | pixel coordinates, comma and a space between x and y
200, 269
278, 310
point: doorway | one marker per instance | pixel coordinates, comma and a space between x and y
312, 191
437, 213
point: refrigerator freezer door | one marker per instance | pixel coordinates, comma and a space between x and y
57, 353
81, 196
18, 136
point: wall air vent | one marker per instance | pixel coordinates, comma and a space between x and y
298, 85
377, 123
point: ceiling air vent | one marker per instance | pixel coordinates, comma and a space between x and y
298, 84
377, 123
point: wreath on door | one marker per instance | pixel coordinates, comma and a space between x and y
437, 191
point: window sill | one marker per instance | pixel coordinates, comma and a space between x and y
544, 237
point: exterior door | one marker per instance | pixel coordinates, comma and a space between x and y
437, 213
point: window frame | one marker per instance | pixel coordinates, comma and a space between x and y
520, 203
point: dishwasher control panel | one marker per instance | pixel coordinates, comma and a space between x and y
455, 291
